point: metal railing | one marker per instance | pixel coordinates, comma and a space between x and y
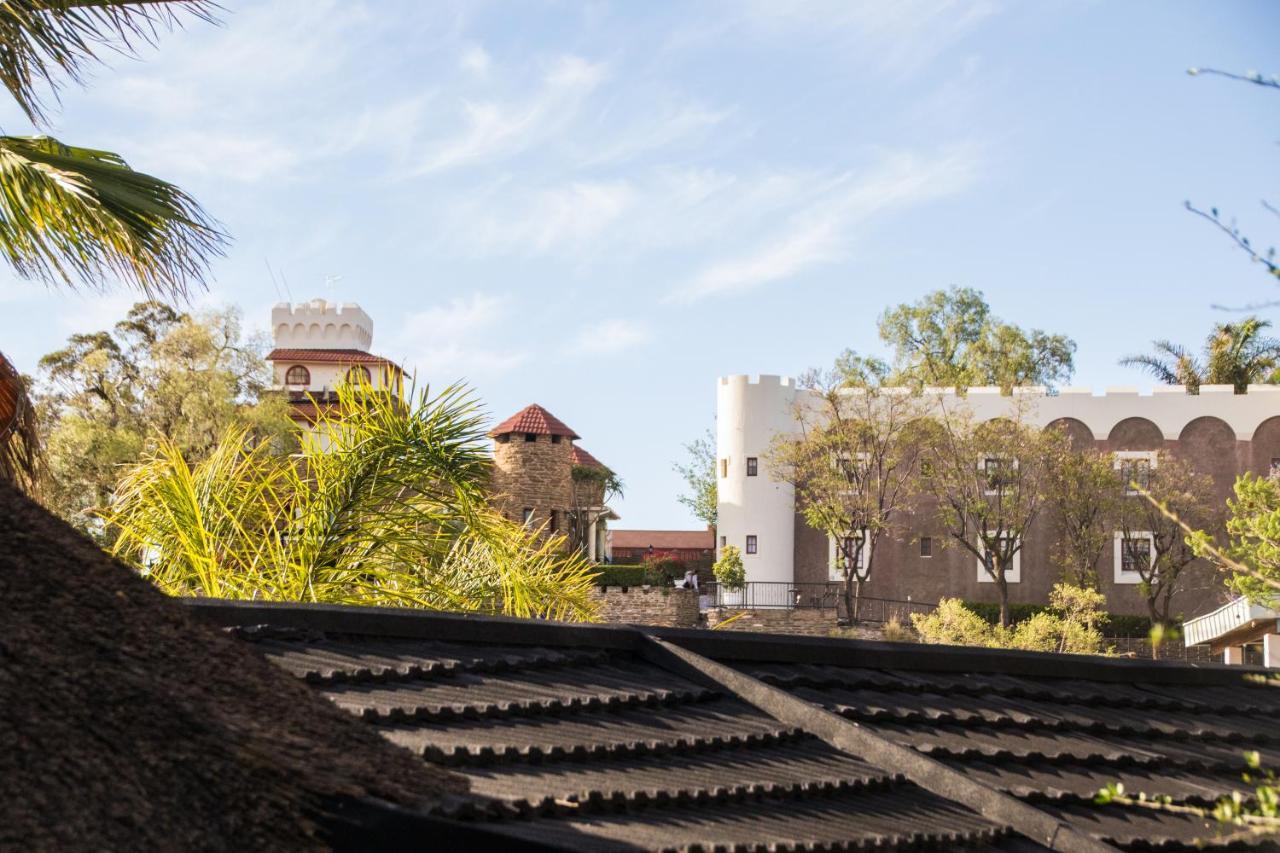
756, 595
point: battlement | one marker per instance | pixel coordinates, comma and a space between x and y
320, 324
763, 379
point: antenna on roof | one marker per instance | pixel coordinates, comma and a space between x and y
330, 281
285, 281
274, 283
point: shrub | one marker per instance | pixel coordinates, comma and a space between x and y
729, 570
661, 569
895, 632
620, 575
1069, 624
954, 624
1123, 625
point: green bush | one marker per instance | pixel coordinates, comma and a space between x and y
1114, 625
621, 575
728, 569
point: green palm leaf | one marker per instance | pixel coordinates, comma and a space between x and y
42, 40
69, 214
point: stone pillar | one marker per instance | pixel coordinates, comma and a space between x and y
1233, 655
1271, 651
591, 541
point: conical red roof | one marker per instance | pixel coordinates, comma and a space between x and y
582, 457
534, 419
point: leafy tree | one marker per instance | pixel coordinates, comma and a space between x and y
1175, 494
77, 216
386, 503
591, 489
990, 481
853, 465
1085, 493
1251, 555
950, 338
699, 475
157, 373
1235, 354
728, 570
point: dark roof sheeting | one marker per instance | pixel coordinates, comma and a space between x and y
535, 420
129, 724
593, 739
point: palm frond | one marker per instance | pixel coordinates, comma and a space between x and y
20, 457
77, 215
1156, 366
41, 40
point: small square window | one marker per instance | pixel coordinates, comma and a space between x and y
724, 540
724, 468
530, 436
555, 439
1133, 554
753, 466
751, 544
926, 546
528, 516
1134, 467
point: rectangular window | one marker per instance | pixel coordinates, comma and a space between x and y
724, 468
753, 465
1135, 467
554, 523
1275, 466
555, 439
1133, 554
530, 436
528, 516
724, 540
998, 473
1013, 574
751, 544
926, 546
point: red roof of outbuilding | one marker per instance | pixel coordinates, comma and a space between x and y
662, 539
336, 356
533, 419
582, 457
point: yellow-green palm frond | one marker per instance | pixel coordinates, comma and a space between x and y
42, 39
71, 215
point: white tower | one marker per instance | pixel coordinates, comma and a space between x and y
321, 325
748, 416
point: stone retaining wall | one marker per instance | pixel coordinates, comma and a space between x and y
648, 605
806, 621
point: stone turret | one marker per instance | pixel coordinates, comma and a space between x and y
533, 468
321, 325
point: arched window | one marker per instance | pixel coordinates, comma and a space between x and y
359, 374
297, 375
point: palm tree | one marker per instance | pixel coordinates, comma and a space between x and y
1236, 354
79, 217
385, 504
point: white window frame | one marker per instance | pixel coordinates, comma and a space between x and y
835, 573
1127, 577
1119, 457
1014, 575
982, 467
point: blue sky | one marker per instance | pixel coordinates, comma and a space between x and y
601, 207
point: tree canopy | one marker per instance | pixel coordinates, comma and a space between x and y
950, 338
1236, 354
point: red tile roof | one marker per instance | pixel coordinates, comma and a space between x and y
330, 356
662, 540
534, 419
582, 457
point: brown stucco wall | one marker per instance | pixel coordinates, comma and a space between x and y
898, 570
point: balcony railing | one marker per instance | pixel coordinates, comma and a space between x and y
756, 595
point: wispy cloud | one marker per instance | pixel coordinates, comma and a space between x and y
501, 128
609, 337
456, 339
823, 232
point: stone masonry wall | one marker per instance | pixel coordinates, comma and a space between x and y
805, 621
534, 474
669, 608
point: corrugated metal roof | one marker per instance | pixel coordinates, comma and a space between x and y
1228, 618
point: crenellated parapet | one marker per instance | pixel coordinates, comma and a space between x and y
319, 324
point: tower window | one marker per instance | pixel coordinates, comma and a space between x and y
555, 439
926, 546
753, 466
530, 436
752, 545
359, 374
527, 517
297, 375
724, 468
554, 524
